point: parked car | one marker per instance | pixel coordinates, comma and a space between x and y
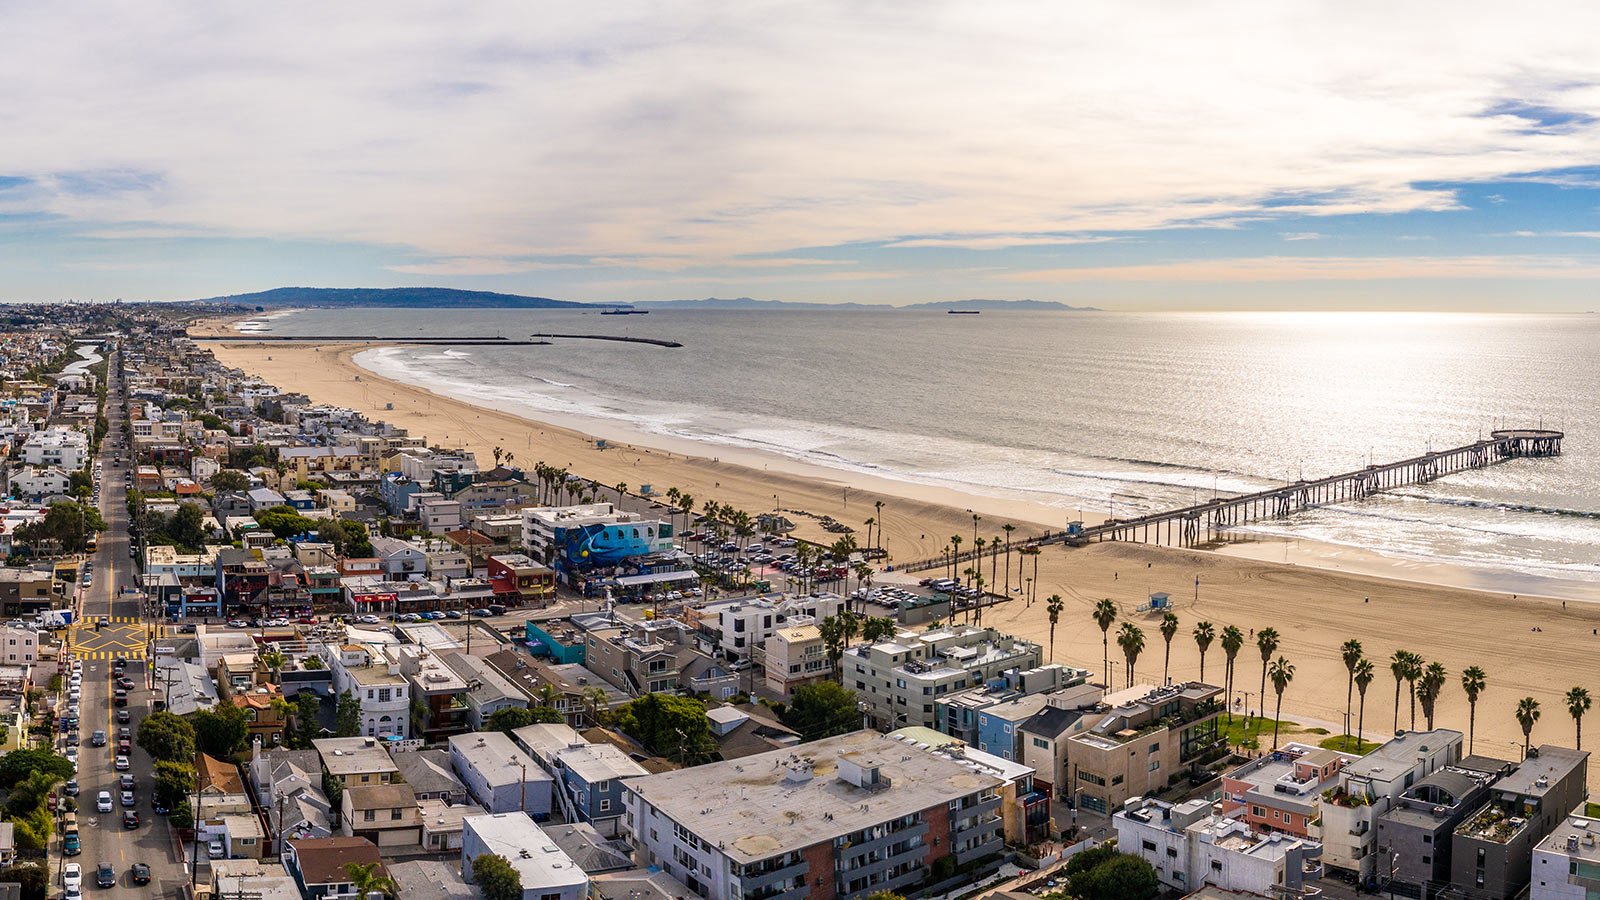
452, 614
121, 764
214, 849
482, 613
71, 788
72, 845
72, 876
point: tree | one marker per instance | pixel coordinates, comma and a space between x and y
368, 878
349, 538
30, 793
832, 632
166, 736
1413, 675
220, 731
1281, 672
185, 527
885, 895
1267, 643
1364, 675
181, 817
1398, 664
33, 879
1232, 643
173, 782
1473, 682
1131, 640
285, 521
1527, 715
347, 718
509, 719
314, 662
1169, 630
668, 725
496, 877
822, 710
878, 629
19, 764
306, 729
1578, 703
1053, 607
1204, 634
230, 480
1351, 653
547, 715
1428, 689
1104, 615
1123, 877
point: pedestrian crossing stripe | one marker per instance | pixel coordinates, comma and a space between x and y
107, 655
116, 620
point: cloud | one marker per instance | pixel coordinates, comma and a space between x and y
1309, 268
1301, 236
476, 266
999, 241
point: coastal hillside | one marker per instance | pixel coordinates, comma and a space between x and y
752, 303
407, 298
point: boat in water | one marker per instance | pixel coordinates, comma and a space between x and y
962, 312
625, 312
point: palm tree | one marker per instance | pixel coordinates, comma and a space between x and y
877, 508
1398, 664
877, 629
1131, 640
1414, 672
1169, 630
1008, 528
1473, 681
977, 557
1351, 652
869, 523
1232, 643
955, 556
1267, 643
1428, 689
1053, 608
364, 879
1578, 703
594, 700
1282, 672
1204, 634
1364, 675
831, 630
1104, 614
1527, 715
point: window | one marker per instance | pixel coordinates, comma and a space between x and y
1156, 747
384, 695
394, 814
1216, 865
1155, 764
1041, 743
370, 815
1149, 845
605, 805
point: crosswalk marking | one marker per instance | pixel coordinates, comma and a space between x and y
107, 655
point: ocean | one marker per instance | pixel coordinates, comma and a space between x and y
1117, 412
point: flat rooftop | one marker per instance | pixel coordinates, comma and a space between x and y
756, 807
542, 864
1400, 752
1536, 775
1584, 830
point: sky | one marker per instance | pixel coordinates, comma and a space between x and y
1124, 155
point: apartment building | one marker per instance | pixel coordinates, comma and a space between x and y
840, 817
545, 871
1414, 835
1492, 854
1282, 791
1367, 788
1566, 864
1142, 738
739, 626
500, 775
1190, 848
793, 656
377, 682
19, 646
577, 541
902, 679
64, 448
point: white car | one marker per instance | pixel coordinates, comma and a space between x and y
122, 764
103, 802
72, 876
214, 849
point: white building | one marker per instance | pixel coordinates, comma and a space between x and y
745, 624
547, 873
37, 482
1566, 864
440, 516
65, 448
1191, 848
377, 683
19, 646
903, 678
1367, 789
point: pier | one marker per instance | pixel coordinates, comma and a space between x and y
1205, 522
267, 337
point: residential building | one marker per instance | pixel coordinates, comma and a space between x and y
902, 679
592, 776
355, 761
385, 814
1492, 853
375, 680
1046, 738
1414, 836
958, 712
1566, 864
748, 729
62, 448
288, 785
519, 581
400, 559
1024, 810
219, 788
486, 690
842, 816
19, 646
318, 865
546, 872
1282, 790
793, 656
740, 626
1367, 789
430, 776
37, 483
1142, 738
594, 543
499, 775
1190, 848
443, 823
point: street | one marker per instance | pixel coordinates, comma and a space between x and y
105, 840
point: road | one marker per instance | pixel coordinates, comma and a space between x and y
104, 837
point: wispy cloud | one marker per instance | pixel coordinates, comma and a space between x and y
1316, 268
1000, 241
1301, 235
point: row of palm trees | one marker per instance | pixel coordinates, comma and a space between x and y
838, 631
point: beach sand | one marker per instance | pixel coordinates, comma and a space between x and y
1314, 609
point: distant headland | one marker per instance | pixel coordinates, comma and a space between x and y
453, 298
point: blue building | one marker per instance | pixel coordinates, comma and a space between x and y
565, 645
499, 775
592, 776
395, 490
1000, 726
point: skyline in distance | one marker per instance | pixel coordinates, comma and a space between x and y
1217, 156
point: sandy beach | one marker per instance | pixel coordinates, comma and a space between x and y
1315, 609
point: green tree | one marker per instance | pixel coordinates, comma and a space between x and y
1473, 683
1281, 673
1429, 688
822, 710
509, 719
173, 782
1527, 716
285, 521
230, 480
1169, 630
1131, 639
221, 731
1105, 615
547, 715
1267, 643
1351, 653
1232, 643
369, 878
1053, 608
668, 725
167, 736
347, 718
1578, 703
1204, 634
1123, 877
496, 877
33, 879
1365, 672
182, 816
306, 706
185, 527
887, 895
30, 793
832, 630
19, 764
878, 629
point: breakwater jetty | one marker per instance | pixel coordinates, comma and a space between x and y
269, 338
610, 337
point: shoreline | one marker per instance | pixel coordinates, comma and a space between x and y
1315, 609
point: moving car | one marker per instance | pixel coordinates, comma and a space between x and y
122, 764
98, 739
103, 801
140, 873
72, 788
124, 717
369, 619
130, 819
127, 798
105, 876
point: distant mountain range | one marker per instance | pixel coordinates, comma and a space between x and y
407, 298
451, 298
750, 303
